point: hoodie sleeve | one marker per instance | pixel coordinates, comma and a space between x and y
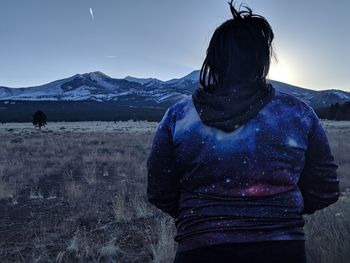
319, 183
162, 179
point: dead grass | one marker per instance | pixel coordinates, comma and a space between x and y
100, 176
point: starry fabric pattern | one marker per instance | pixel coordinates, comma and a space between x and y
251, 184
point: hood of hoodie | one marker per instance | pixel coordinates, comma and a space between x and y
230, 108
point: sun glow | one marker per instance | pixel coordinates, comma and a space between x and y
279, 72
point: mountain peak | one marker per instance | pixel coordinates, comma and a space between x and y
96, 74
142, 80
194, 75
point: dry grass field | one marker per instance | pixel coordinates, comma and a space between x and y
76, 192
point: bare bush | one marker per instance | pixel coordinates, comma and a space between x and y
164, 249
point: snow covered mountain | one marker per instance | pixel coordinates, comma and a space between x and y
99, 87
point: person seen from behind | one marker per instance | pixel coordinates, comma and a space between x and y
238, 163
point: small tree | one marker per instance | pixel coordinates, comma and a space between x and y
39, 119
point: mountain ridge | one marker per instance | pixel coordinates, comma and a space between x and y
100, 87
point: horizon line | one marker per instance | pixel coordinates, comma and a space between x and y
131, 76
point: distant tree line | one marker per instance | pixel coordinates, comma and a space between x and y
335, 112
23, 111
111, 111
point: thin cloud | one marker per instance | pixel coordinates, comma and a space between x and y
92, 14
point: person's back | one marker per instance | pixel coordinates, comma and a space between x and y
240, 165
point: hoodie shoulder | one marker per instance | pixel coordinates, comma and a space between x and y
184, 100
179, 107
292, 101
297, 109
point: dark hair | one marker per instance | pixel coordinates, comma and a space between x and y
239, 51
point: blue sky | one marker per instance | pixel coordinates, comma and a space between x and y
43, 40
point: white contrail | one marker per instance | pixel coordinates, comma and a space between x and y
92, 14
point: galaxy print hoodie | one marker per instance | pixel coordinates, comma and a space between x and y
250, 180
